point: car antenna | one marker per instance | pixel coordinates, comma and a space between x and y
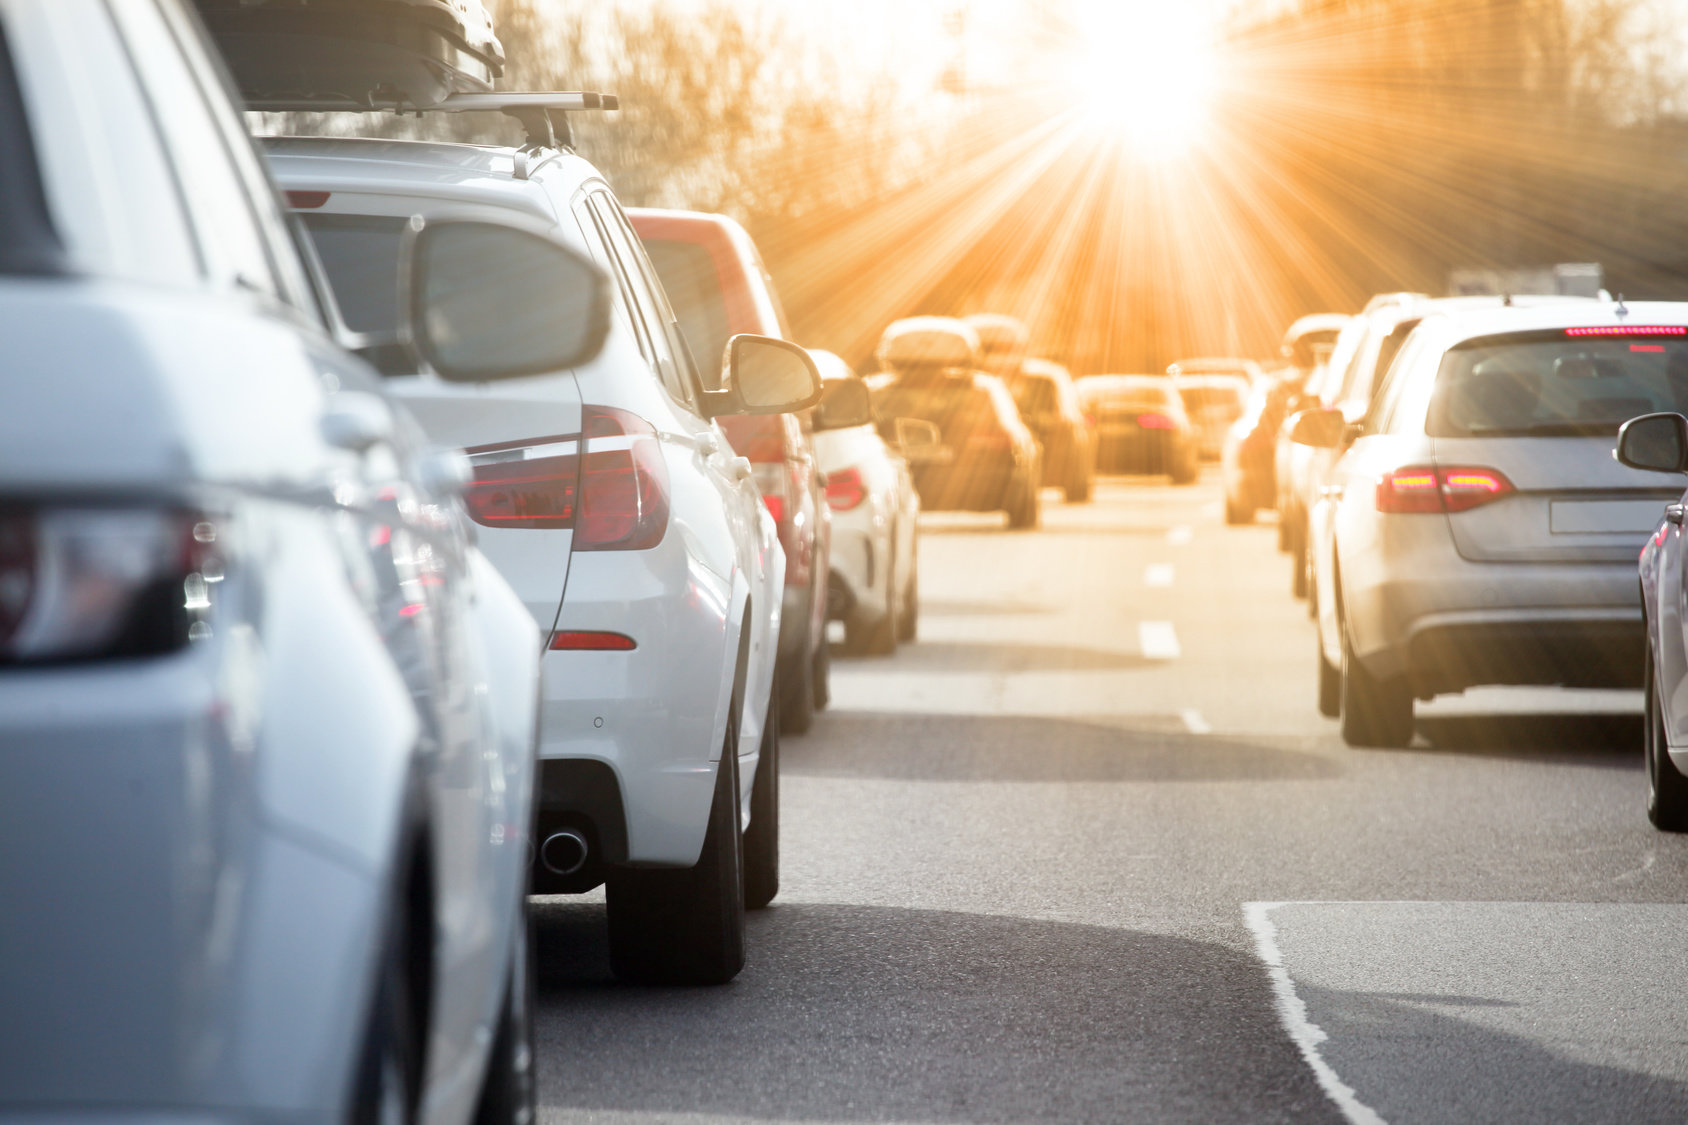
1622, 309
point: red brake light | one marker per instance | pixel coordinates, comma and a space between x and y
623, 483
1154, 421
1630, 330
776, 505
1423, 489
538, 492
582, 640
844, 489
306, 200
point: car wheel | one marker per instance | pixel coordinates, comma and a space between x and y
686, 926
1374, 711
822, 674
909, 623
762, 838
1236, 513
507, 1091
1298, 559
1186, 474
1025, 508
1667, 789
1283, 530
1078, 484
1330, 682
797, 696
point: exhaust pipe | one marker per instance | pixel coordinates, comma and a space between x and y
564, 852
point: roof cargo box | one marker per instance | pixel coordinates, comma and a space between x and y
355, 54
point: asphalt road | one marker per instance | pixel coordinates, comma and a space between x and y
1087, 852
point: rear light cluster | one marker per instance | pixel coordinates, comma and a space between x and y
1427, 489
615, 497
1154, 421
94, 583
844, 490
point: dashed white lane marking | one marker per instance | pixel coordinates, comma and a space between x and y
1180, 535
1194, 722
1158, 574
1303, 1032
1158, 640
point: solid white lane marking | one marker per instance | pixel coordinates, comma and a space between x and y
1303, 1032
1158, 574
1180, 535
1194, 722
1158, 640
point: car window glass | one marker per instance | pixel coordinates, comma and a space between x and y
1388, 414
694, 290
230, 242
1035, 394
360, 253
88, 114
647, 297
598, 246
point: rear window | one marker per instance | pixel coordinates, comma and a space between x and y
1035, 395
1555, 384
694, 290
1199, 398
957, 407
360, 254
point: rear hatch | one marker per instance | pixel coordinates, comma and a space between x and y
522, 436
961, 409
1531, 419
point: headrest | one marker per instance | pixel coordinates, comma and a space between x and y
929, 342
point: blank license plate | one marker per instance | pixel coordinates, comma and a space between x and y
1592, 517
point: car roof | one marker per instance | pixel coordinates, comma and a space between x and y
1210, 379
1316, 322
463, 172
1452, 326
1044, 368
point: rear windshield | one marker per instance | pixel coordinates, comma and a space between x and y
1551, 383
688, 274
360, 254
1034, 395
1125, 399
1199, 398
957, 408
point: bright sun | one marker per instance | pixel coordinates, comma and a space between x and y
1147, 72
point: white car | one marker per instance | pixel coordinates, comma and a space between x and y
1213, 403
874, 587
638, 540
266, 714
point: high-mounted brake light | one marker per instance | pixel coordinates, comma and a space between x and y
1629, 330
1423, 489
585, 640
844, 489
1154, 421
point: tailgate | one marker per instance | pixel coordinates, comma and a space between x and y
1574, 502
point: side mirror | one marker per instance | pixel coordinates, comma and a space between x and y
765, 376
489, 301
1656, 442
916, 434
1322, 429
844, 403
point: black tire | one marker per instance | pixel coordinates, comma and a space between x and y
509, 1088
797, 695
1236, 513
908, 625
822, 674
1667, 789
762, 838
1079, 482
1374, 712
389, 1082
686, 926
1283, 530
1186, 474
1330, 682
1026, 508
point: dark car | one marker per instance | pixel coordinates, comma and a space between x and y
1141, 425
1049, 404
719, 288
958, 428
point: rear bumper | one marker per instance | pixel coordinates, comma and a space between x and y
1573, 649
1151, 451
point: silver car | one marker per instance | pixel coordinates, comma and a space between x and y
1482, 532
266, 714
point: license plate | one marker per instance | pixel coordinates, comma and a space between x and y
1594, 517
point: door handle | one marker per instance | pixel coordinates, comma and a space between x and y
1676, 513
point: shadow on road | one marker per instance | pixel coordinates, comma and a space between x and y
1597, 740
1001, 656
855, 1013
925, 747
953, 607
1410, 1061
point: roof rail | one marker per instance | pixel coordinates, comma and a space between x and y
543, 114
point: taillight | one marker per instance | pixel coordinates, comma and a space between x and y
535, 492
91, 583
1155, 422
776, 505
623, 483
1424, 489
844, 489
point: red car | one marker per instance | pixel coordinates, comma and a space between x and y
719, 288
